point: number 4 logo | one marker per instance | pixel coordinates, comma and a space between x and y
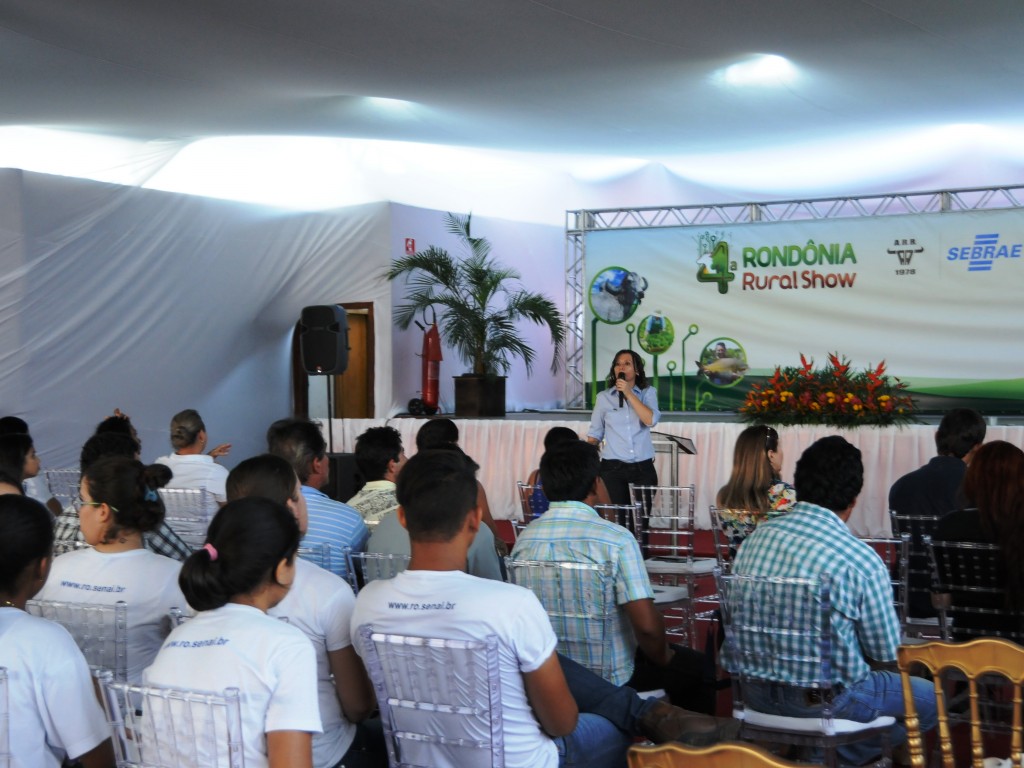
720, 272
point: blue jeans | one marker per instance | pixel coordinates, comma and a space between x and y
881, 693
607, 722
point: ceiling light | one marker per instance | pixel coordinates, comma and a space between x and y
764, 69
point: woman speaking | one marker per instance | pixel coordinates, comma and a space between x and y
623, 416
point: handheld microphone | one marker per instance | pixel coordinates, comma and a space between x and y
622, 398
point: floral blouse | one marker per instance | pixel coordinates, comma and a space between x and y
737, 524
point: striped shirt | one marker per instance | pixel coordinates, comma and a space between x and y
334, 523
810, 541
571, 531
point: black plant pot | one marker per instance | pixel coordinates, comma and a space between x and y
478, 396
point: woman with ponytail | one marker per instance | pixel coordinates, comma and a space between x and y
247, 567
118, 503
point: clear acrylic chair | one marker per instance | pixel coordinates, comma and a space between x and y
189, 512
62, 546
364, 567
100, 631
724, 525
920, 613
440, 700
895, 553
317, 554
726, 755
986, 663
778, 630
531, 506
667, 531
626, 515
5, 721
172, 727
63, 485
579, 599
970, 592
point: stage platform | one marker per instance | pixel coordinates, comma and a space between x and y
508, 449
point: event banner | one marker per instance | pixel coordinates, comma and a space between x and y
939, 297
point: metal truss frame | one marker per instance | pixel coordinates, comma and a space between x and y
581, 222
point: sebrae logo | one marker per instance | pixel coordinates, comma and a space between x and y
984, 253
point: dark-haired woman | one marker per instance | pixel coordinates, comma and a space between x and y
119, 503
54, 713
624, 413
245, 568
756, 491
18, 456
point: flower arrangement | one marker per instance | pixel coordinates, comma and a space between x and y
834, 395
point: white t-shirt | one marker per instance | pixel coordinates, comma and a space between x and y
238, 646
456, 606
53, 707
320, 604
197, 470
146, 581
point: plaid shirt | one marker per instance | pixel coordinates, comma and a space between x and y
163, 540
573, 532
810, 541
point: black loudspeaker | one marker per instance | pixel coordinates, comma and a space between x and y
345, 479
323, 339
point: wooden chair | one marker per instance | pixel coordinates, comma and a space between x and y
156, 726
580, 601
437, 697
726, 755
778, 629
986, 657
100, 631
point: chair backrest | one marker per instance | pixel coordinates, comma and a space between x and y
317, 554
666, 519
63, 546
971, 590
777, 629
729, 528
5, 721
172, 727
985, 657
440, 700
919, 567
728, 755
63, 485
100, 631
626, 515
579, 599
895, 553
176, 616
189, 512
532, 503
364, 567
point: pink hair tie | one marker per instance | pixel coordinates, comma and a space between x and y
212, 550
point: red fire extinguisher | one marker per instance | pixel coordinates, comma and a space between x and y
431, 374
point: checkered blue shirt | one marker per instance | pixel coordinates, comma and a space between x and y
810, 541
573, 532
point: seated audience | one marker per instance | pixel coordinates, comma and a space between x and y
934, 490
162, 540
18, 456
33, 485
9, 484
119, 504
246, 568
994, 488
554, 711
379, 457
320, 604
54, 713
191, 467
300, 443
121, 424
539, 501
756, 491
571, 531
811, 540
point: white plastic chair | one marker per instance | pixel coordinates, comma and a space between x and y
173, 727
364, 567
5, 722
100, 631
440, 700
189, 512
778, 630
579, 599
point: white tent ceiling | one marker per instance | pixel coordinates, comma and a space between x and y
629, 79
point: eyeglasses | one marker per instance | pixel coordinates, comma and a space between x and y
83, 503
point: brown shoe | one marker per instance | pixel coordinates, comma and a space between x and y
665, 722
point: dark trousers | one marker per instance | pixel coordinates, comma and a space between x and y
689, 679
617, 476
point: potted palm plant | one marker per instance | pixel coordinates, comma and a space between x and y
478, 302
